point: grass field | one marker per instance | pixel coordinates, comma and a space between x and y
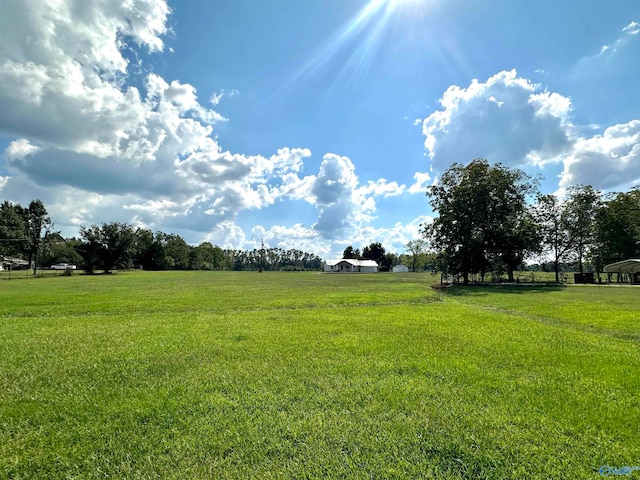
307, 375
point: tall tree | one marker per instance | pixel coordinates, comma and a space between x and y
579, 215
567, 225
617, 228
13, 229
107, 247
483, 216
37, 222
351, 253
556, 237
376, 252
417, 249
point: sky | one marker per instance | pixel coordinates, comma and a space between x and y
311, 125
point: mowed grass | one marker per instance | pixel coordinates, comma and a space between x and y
306, 375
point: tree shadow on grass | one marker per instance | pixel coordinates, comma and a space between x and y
511, 288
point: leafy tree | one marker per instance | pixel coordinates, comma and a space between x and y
351, 253
206, 257
176, 251
36, 220
13, 229
107, 247
145, 250
617, 229
376, 252
417, 249
567, 226
580, 215
57, 249
556, 238
483, 218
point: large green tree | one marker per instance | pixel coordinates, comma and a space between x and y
617, 228
582, 204
417, 250
567, 225
376, 252
13, 229
351, 253
38, 228
484, 220
107, 247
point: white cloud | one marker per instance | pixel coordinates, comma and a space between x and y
383, 188
150, 156
422, 182
333, 190
632, 29
3, 181
605, 161
506, 119
509, 119
19, 149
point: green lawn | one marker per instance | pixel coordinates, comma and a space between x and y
307, 375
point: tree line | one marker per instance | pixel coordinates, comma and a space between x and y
491, 218
27, 232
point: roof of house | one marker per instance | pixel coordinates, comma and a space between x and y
14, 260
625, 266
353, 261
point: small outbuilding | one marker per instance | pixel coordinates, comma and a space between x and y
350, 265
626, 270
400, 269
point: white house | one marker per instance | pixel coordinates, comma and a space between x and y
400, 269
349, 265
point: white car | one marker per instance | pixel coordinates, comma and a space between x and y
62, 266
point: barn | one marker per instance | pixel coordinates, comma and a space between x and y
350, 265
400, 269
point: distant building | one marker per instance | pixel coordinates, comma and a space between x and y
13, 263
349, 265
400, 269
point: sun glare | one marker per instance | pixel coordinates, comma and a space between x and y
367, 29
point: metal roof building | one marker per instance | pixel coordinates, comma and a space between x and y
630, 267
350, 265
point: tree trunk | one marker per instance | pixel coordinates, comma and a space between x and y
465, 278
580, 258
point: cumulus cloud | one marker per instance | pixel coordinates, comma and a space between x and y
19, 149
506, 119
605, 161
383, 188
422, 182
334, 190
96, 146
511, 120
148, 153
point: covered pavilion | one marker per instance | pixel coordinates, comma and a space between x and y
627, 270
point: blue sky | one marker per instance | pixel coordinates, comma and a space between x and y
311, 125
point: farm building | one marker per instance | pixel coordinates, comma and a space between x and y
400, 269
349, 265
626, 270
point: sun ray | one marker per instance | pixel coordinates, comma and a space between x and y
368, 22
